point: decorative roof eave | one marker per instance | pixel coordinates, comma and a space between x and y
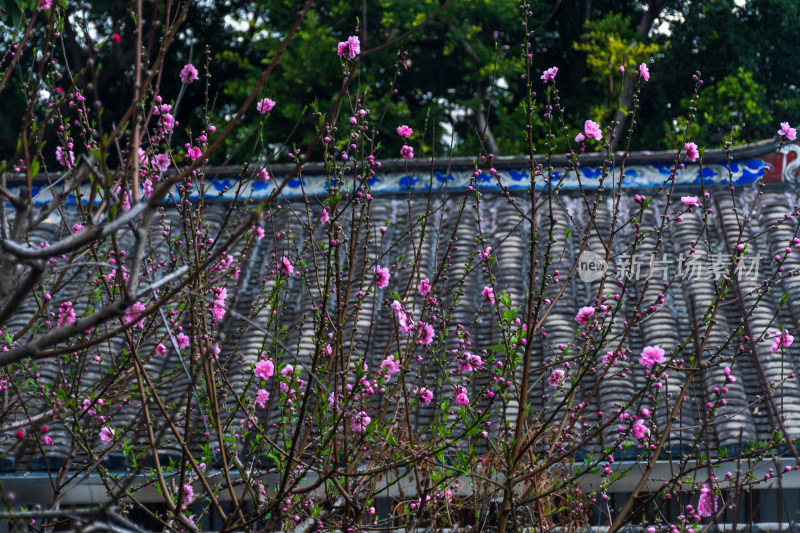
643, 170
745, 151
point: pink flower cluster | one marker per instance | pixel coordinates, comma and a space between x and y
644, 72
652, 355
406, 325
360, 422
188, 494
689, 200
264, 105
592, 130
404, 131
264, 369
286, 266
188, 73
390, 366
106, 435
470, 362
65, 157
133, 315
381, 277
584, 314
781, 339
425, 395
147, 188
556, 377
639, 430
66, 314
218, 307
262, 397
350, 48
183, 341
161, 162
425, 333
461, 397
692, 153
424, 287
707, 504
488, 293
550, 74
787, 131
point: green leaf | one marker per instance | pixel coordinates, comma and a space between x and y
505, 298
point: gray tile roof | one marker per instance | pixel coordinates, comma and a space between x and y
250, 327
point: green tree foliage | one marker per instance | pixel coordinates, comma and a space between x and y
447, 69
610, 43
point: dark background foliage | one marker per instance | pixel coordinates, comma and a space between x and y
460, 69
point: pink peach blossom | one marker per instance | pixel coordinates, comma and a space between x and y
188, 73
584, 314
161, 162
425, 333
707, 504
264, 369
194, 153
106, 435
782, 338
65, 157
461, 397
550, 74
286, 266
488, 293
644, 72
390, 366
689, 200
555, 377
183, 341
262, 397
424, 287
592, 130
639, 430
134, 313
405, 325
264, 105
652, 355
692, 153
350, 48
381, 277
360, 422
147, 188
425, 395
787, 131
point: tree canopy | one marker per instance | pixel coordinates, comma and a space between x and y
451, 69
